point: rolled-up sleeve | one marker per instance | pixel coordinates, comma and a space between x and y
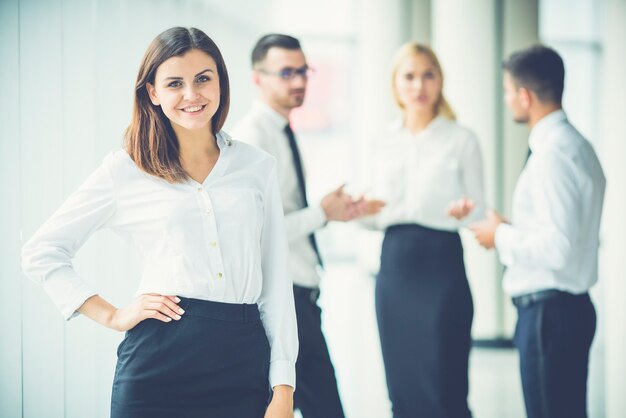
276, 302
47, 256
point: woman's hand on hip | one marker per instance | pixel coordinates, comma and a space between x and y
147, 306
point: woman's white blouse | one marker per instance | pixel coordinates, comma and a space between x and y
418, 175
223, 240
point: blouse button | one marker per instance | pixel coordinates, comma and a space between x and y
213, 244
219, 275
208, 211
200, 189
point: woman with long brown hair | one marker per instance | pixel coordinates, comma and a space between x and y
428, 170
212, 326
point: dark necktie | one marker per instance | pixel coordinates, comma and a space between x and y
528, 156
297, 163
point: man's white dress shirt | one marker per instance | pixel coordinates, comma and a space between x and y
552, 241
220, 240
264, 127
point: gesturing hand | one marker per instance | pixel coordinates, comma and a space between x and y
485, 230
460, 208
163, 308
335, 205
365, 207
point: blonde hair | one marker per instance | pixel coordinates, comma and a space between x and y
411, 49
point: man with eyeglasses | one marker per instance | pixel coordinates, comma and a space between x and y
280, 73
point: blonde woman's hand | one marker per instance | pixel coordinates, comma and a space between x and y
147, 306
281, 405
460, 208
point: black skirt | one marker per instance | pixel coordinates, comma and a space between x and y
213, 362
424, 310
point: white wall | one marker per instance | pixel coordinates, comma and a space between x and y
613, 238
10, 283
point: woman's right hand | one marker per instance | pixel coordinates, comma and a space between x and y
147, 306
460, 208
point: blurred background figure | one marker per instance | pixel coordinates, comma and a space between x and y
424, 167
550, 248
280, 74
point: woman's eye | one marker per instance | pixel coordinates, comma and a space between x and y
174, 84
202, 79
429, 75
408, 77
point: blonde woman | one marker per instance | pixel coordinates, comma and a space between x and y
429, 172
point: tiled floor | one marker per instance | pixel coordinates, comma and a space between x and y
350, 327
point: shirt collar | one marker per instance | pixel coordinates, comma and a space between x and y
223, 140
275, 118
439, 120
225, 143
545, 125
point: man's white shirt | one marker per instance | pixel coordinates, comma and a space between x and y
552, 241
264, 127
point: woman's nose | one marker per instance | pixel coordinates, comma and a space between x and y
191, 92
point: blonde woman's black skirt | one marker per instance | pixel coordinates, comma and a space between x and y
424, 310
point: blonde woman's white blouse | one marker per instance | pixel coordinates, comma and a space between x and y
418, 175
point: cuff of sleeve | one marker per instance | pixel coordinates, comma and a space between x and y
319, 216
504, 236
68, 294
283, 372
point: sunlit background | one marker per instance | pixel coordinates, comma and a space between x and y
67, 70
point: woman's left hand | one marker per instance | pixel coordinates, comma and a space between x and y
281, 405
460, 208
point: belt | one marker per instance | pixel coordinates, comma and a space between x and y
311, 293
523, 301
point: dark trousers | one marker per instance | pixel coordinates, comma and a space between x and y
424, 310
553, 336
214, 362
316, 394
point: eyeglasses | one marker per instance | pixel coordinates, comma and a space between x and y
290, 73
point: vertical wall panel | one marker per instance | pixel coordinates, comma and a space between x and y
10, 280
465, 38
41, 99
80, 156
613, 240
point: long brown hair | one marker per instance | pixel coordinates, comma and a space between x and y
411, 49
150, 140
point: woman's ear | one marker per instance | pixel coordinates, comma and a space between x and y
152, 94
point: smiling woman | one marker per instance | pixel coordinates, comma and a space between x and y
180, 70
212, 327
188, 94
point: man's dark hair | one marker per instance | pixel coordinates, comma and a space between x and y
539, 69
272, 40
